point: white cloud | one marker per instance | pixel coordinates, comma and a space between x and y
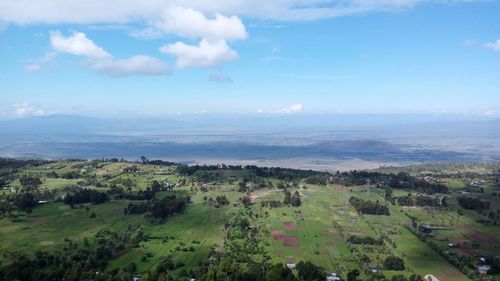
77, 44
187, 22
38, 65
294, 108
124, 11
206, 54
136, 65
220, 78
25, 109
146, 33
495, 45
101, 61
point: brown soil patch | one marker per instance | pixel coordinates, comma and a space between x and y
341, 187
460, 241
288, 225
467, 251
278, 234
291, 241
482, 238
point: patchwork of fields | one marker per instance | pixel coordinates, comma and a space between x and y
316, 231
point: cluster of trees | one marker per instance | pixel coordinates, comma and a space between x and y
161, 209
23, 201
74, 261
413, 277
30, 181
369, 207
394, 263
421, 200
396, 181
9, 167
406, 200
406, 181
366, 240
285, 174
85, 196
137, 208
219, 201
271, 203
321, 179
274, 172
473, 203
290, 199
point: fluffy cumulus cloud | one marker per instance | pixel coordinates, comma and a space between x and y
25, 109
80, 45
494, 46
214, 33
187, 22
77, 44
294, 108
205, 54
213, 23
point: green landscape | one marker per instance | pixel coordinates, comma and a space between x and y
112, 219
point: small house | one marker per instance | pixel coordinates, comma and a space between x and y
168, 185
430, 277
333, 277
483, 269
290, 265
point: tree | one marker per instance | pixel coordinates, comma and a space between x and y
155, 186
131, 267
29, 181
288, 197
25, 202
310, 272
394, 263
353, 275
6, 207
278, 272
295, 200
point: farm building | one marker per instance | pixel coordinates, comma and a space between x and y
483, 269
168, 185
333, 277
430, 277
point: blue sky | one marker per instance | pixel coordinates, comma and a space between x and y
295, 57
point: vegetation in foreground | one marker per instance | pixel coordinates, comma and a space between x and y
154, 220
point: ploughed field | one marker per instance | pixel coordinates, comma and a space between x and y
161, 217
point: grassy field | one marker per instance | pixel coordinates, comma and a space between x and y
317, 231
